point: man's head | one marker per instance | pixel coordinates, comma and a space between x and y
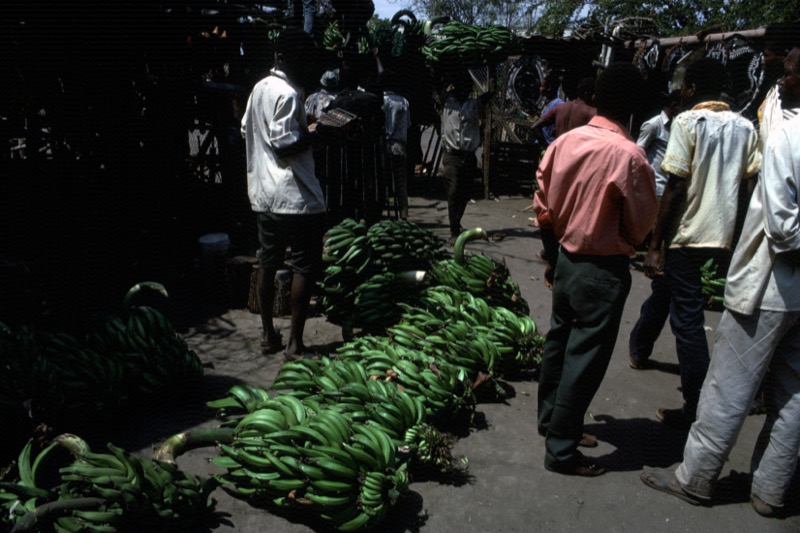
619, 91
549, 85
674, 103
330, 79
704, 80
789, 83
586, 90
296, 55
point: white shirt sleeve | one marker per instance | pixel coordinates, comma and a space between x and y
780, 172
284, 130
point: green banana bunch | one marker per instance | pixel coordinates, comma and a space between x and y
145, 342
366, 265
20, 493
71, 382
332, 38
105, 492
430, 447
711, 284
323, 464
241, 399
480, 276
457, 43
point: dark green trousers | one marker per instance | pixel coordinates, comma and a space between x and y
589, 295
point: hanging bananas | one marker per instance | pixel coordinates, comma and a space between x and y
468, 45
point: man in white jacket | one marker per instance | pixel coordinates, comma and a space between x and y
283, 188
759, 331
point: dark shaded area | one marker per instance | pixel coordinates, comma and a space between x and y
639, 442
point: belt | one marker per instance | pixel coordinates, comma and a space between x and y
460, 153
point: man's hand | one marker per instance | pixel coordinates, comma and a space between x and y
652, 264
549, 272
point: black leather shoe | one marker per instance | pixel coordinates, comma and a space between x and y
582, 466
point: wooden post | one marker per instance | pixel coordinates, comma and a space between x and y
487, 141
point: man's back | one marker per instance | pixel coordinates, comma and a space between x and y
598, 192
713, 149
573, 114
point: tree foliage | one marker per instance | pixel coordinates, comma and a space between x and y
516, 14
669, 17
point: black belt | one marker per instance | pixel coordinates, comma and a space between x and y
459, 153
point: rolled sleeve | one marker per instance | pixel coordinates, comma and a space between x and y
640, 205
680, 149
647, 135
754, 155
540, 205
780, 195
284, 130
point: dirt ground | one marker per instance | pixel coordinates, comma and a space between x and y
507, 487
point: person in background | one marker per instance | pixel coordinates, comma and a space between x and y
363, 185
283, 189
596, 202
461, 136
318, 102
303, 12
398, 116
546, 134
654, 135
569, 115
711, 150
779, 40
758, 338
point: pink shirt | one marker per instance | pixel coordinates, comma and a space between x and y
597, 190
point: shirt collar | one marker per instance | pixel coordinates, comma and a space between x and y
712, 105
599, 121
664, 118
278, 73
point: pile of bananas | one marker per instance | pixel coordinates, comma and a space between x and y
347, 473
340, 435
370, 271
150, 350
479, 275
130, 359
443, 309
72, 380
468, 45
103, 492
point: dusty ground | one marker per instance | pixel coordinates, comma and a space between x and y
508, 488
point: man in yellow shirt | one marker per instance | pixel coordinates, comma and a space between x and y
711, 150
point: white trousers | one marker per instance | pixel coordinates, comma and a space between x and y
746, 349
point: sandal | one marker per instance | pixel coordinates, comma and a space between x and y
664, 480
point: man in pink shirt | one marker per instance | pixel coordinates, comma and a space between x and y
597, 200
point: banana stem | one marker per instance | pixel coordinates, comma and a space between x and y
74, 444
411, 276
29, 520
133, 291
177, 445
463, 239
